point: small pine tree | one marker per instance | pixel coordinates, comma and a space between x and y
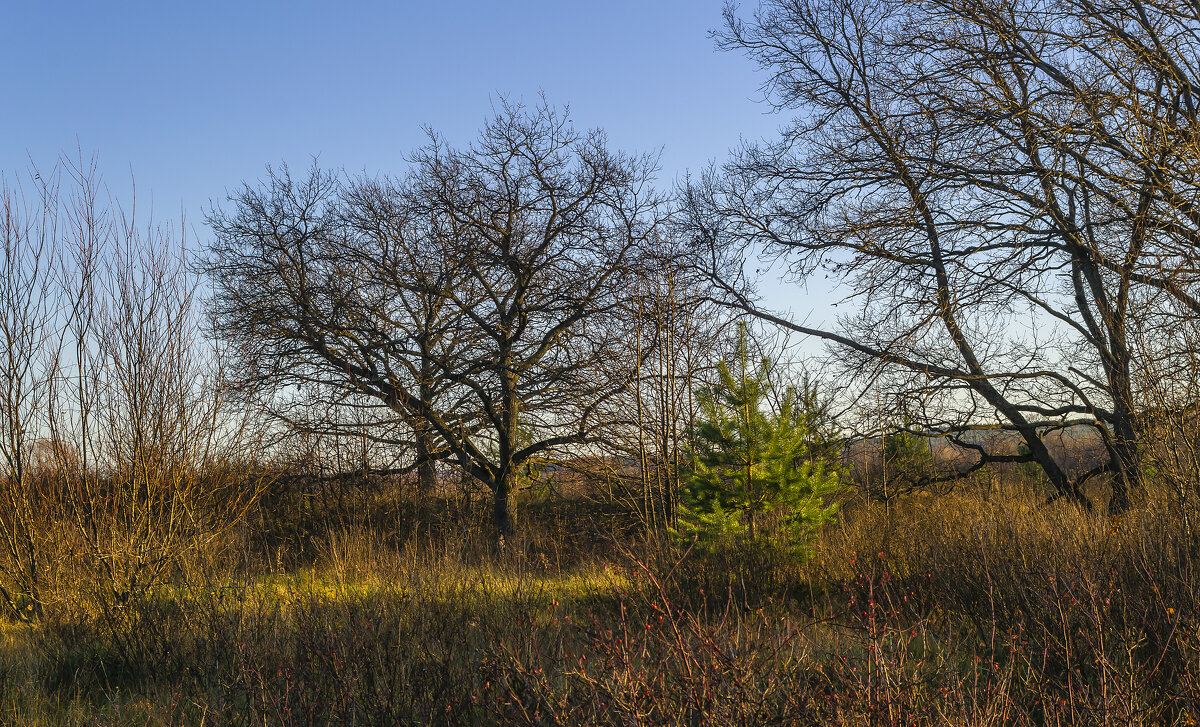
756, 474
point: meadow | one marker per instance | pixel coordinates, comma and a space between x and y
975, 606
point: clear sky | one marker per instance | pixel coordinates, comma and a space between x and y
191, 98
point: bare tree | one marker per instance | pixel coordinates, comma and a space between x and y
418, 271
478, 298
119, 450
993, 182
151, 454
28, 367
680, 336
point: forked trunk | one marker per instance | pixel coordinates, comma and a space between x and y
1064, 486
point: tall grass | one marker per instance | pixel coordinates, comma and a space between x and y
962, 610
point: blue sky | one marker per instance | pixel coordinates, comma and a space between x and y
192, 98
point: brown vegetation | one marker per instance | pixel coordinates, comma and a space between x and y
956, 610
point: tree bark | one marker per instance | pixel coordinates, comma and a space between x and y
426, 471
506, 529
1125, 455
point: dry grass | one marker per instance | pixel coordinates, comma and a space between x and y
961, 610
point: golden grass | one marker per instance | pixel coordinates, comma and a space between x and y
974, 607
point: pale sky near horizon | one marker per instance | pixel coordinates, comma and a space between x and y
192, 99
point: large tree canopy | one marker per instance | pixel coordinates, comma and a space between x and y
1004, 188
475, 302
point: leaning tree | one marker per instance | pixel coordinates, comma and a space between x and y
478, 299
1003, 188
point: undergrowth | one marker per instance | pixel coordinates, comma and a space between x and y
961, 610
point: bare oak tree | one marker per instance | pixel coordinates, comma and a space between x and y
478, 298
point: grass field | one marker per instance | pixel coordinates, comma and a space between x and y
971, 608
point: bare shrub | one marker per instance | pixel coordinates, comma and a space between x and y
121, 453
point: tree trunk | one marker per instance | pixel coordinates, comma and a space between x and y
1063, 485
1123, 445
502, 513
507, 445
1126, 463
426, 471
